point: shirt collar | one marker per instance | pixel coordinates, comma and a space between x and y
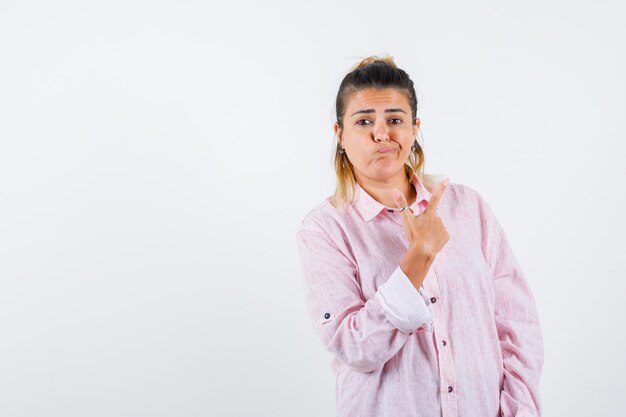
369, 208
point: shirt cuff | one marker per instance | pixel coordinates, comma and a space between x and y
403, 305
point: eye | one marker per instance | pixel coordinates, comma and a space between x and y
395, 121
362, 122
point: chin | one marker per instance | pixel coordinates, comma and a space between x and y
386, 172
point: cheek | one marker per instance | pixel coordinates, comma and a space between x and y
405, 152
357, 147
357, 154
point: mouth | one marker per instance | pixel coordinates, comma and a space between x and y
387, 150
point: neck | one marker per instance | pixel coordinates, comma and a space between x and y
381, 190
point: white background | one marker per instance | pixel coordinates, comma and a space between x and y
157, 157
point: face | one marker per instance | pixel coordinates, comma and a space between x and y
377, 133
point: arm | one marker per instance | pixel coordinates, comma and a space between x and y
517, 323
364, 334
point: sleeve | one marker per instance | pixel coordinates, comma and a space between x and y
517, 324
364, 334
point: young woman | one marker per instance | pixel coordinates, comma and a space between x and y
412, 285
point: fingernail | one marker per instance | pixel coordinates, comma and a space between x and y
396, 194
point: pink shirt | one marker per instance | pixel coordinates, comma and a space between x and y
467, 344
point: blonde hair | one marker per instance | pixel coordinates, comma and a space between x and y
372, 72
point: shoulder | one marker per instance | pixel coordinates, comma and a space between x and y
325, 217
468, 208
463, 193
454, 192
465, 202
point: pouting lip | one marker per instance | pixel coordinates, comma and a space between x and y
386, 150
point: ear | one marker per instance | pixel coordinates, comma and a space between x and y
337, 129
416, 126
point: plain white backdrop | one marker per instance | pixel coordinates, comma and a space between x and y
157, 157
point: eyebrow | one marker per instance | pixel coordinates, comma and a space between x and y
398, 110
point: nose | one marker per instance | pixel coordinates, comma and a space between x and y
381, 132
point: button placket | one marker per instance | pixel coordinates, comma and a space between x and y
447, 373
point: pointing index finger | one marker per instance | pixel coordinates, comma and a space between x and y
435, 197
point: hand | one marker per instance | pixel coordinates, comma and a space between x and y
425, 232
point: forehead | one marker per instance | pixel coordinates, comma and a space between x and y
378, 98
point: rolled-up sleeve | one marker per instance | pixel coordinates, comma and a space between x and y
364, 334
404, 306
517, 323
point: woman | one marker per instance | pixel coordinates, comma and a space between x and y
412, 286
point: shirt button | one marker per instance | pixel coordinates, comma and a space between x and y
433, 300
327, 315
444, 342
449, 389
